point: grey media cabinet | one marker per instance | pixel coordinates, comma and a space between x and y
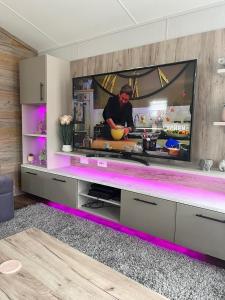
186, 219
194, 227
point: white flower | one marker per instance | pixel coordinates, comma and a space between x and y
65, 119
68, 120
62, 121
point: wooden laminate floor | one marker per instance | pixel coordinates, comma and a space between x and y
25, 200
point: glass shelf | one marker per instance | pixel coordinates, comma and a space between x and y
35, 134
116, 203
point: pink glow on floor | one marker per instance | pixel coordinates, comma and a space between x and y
132, 232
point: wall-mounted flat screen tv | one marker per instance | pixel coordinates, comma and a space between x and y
143, 112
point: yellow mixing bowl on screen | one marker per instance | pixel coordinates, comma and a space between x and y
117, 133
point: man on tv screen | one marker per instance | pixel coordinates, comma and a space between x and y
118, 113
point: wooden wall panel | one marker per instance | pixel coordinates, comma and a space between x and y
11, 52
208, 141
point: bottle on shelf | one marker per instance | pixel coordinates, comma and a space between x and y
86, 141
43, 157
41, 127
145, 140
149, 141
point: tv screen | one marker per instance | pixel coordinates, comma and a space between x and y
143, 111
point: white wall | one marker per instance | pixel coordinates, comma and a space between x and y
191, 22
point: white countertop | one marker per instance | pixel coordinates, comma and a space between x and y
200, 190
187, 169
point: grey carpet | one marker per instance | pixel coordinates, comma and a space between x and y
169, 273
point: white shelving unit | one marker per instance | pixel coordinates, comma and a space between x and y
33, 142
111, 209
43, 103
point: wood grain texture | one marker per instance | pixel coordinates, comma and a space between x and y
207, 141
53, 270
11, 52
24, 200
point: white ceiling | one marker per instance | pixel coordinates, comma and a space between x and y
49, 24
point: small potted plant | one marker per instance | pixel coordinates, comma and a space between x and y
43, 157
66, 130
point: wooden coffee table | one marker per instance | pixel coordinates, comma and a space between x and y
53, 270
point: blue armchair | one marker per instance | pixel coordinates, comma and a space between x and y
6, 198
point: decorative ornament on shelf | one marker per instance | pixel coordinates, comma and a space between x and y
221, 62
222, 165
30, 158
206, 164
41, 127
66, 128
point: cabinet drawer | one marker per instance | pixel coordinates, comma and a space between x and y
149, 214
201, 229
33, 182
62, 189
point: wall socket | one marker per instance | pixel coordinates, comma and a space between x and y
84, 160
102, 163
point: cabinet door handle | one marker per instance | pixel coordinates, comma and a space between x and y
60, 180
31, 173
148, 202
41, 91
209, 218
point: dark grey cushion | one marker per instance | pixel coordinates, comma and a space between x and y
6, 184
6, 198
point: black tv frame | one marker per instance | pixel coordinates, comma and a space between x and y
142, 156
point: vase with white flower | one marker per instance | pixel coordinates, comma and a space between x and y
66, 130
